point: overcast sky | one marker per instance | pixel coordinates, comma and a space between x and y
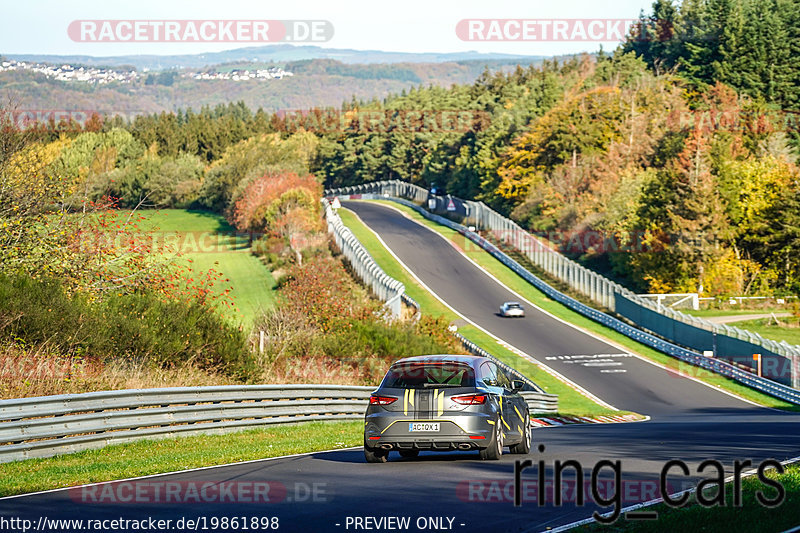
40, 26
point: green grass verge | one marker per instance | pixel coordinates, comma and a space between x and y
570, 402
535, 296
251, 283
777, 333
704, 313
750, 516
209, 242
141, 458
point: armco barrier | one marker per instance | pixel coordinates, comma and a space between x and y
774, 366
538, 400
50, 425
731, 342
384, 287
713, 364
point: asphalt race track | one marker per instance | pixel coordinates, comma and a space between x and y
338, 491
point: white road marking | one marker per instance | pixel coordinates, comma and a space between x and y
570, 324
500, 341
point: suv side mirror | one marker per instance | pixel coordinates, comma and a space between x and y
517, 384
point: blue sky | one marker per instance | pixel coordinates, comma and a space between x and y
40, 26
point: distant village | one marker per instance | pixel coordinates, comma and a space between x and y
70, 73
240, 75
100, 76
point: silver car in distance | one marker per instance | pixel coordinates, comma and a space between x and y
446, 402
512, 309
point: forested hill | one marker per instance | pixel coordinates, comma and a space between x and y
677, 153
671, 162
751, 45
272, 53
314, 82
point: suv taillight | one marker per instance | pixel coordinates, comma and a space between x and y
381, 400
472, 399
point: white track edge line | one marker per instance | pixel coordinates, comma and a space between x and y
587, 332
60, 489
519, 352
648, 503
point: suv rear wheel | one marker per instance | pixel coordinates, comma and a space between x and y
375, 455
523, 447
495, 448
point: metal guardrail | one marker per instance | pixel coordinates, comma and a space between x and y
51, 425
592, 285
383, 286
540, 403
767, 386
538, 400
477, 350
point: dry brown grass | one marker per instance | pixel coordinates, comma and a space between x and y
322, 369
39, 371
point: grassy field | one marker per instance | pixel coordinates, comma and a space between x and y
750, 516
570, 402
142, 458
788, 330
519, 285
207, 241
705, 313
762, 326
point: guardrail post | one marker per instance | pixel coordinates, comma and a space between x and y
795, 364
384, 287
593, 285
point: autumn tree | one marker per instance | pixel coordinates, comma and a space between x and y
282, 204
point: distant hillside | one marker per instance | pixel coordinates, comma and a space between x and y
279, 53
318, 82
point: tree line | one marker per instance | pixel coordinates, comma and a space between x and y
680, 147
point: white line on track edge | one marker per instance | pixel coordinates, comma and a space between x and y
587, 332
178, 472
519, 352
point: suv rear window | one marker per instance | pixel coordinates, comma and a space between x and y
428, 375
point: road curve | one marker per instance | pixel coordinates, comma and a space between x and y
456, 491
626, 382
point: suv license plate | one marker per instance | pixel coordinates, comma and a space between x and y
423, 426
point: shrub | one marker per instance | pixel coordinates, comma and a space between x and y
138, 327
327, 328
324, 293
